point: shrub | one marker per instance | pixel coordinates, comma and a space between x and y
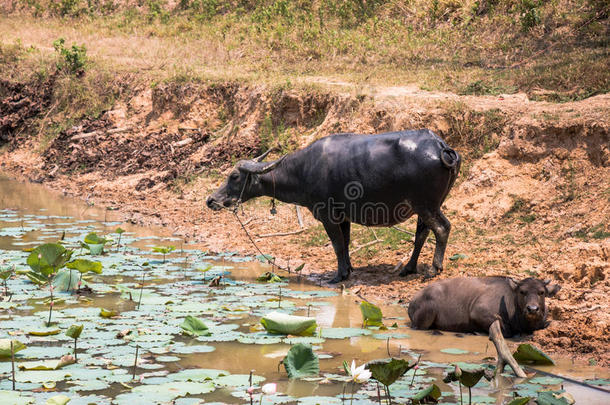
72, 60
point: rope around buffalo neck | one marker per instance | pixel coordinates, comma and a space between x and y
240, 204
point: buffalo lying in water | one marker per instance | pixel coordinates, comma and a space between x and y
373, 180
472, 304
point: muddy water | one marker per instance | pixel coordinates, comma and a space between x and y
33, 202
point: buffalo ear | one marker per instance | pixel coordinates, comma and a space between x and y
513, 284
551, 289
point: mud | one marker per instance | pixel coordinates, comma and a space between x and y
21, 101
532, 199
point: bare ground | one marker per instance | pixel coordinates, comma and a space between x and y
533, 197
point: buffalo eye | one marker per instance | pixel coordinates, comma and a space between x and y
234, 176
523, 292
541, 293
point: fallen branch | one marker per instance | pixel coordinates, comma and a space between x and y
299, 216
271, 235
430, 239
84, 136
183, 142
367, 245
504, 355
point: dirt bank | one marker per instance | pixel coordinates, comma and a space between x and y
533, 197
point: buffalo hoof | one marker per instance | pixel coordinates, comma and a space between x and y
431, 272
407, 270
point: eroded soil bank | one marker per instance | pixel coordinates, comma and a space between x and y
533, 197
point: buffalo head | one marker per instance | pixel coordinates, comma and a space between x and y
241, 182
530, 295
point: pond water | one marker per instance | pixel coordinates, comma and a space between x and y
175, 368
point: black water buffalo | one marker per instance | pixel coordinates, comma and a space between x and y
373, 180
470, 304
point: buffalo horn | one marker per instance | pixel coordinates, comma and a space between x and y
263, 156
258, 168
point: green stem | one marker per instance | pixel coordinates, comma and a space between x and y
141, 288
469, 396
75, 354
461, 400
261, 401
51, 304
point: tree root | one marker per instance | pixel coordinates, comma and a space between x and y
504, 355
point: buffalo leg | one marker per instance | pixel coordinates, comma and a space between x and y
345, 229
421, 234
338, 241
440, 226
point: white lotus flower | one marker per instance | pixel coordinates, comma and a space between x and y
359, 374
269, 389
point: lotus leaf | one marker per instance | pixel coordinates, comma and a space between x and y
301, 361
430, 394
527, 353
65, 280
5, 347
44, 332
281, 323
48, 258
238, 380
270, 277
47, 364
520, 401
194, 327
387, 371
371, 314
342, 333
85, 266
15, 398
93, 239
107, 313
452, 350
468, 377
554, 398
74, 331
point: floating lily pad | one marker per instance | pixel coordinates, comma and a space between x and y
58, 400
554, 398
238, 380
452, 350
47, 364
44, 331
520, 401
198, 374
546, 380
342, 333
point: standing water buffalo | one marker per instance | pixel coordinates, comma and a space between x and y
373, 180
471, 304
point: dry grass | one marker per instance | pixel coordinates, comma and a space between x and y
559, 53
